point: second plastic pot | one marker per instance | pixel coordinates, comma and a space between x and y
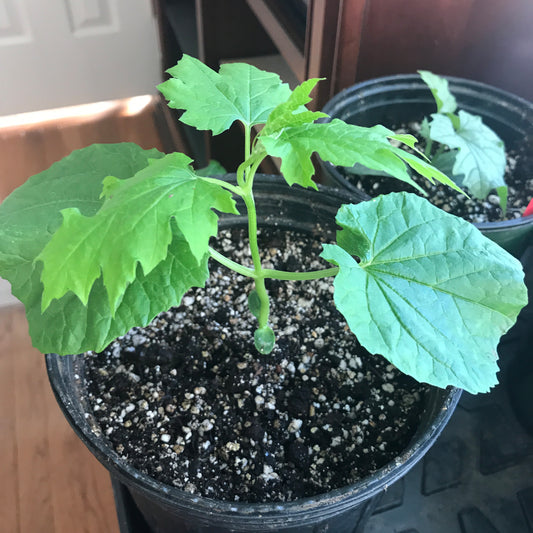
404, 98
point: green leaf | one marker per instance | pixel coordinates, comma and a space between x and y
214, 168
344, 145
503, 193
361, 170
481, 156
430, 293
444, 99
254, 304
67, 326
429, 171
424, 128
213, 101
445, 161
264, 339
293, 112
132, 228
30, 215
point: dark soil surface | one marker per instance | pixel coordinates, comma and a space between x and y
189, 401
518, 177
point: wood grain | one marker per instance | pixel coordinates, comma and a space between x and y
30, 148
9, 503
50, 482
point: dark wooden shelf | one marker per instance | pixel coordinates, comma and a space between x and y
286, 29
181, 15
352, 40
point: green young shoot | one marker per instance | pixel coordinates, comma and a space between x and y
112, 235
478, 154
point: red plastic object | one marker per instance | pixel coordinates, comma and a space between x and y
529, 209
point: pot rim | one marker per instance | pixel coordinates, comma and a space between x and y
503, 98
413, 81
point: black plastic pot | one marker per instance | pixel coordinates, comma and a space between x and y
167, 509
404, 98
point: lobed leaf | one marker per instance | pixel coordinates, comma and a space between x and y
132, 228
31, 213
430, 293
481, 153
67, 326
293, 112
344, 145
214, 100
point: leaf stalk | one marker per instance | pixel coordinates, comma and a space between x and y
270, 273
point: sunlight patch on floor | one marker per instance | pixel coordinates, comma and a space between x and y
125, 107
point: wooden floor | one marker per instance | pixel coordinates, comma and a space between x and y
49, 482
